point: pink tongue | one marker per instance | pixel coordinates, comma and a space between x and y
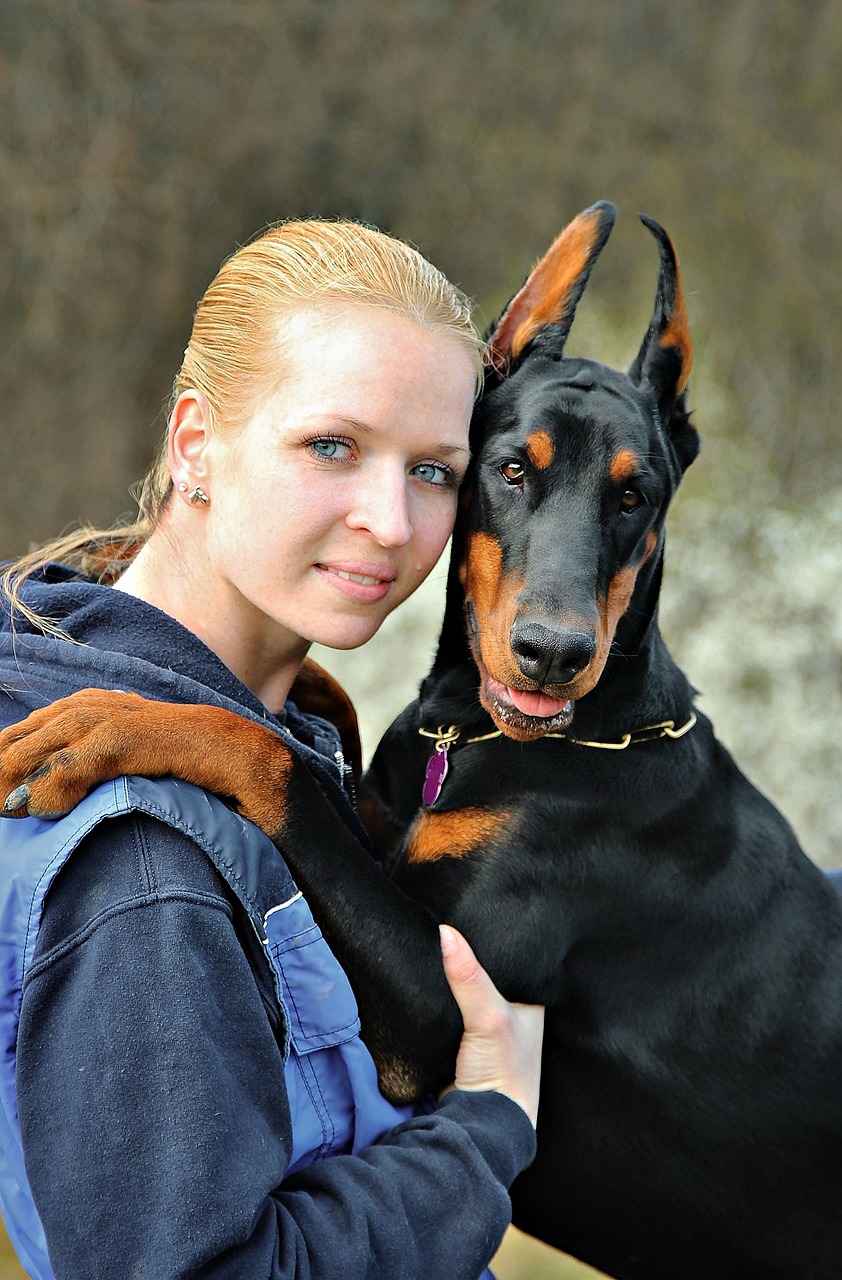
536, 704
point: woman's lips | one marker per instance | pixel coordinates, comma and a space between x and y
366, 584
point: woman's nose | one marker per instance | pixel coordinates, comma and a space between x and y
381, 506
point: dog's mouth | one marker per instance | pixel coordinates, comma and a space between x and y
521, 713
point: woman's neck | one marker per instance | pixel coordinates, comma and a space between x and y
167, 576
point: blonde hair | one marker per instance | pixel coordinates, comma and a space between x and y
235, 353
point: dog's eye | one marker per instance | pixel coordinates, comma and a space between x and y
631, 500
512, 473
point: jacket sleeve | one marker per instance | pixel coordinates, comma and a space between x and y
154, 1112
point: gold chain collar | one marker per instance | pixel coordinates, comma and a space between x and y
445, 738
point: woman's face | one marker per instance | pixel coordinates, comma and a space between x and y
336, 500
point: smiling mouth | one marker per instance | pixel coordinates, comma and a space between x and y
362, 578
357, 586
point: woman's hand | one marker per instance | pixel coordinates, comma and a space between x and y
501, 1045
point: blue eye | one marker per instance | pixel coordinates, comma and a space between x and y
434, 473
330, 448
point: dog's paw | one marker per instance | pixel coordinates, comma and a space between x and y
51, 760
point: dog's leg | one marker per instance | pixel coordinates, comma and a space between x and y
388, 943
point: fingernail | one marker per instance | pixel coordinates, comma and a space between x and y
17, 799
446, 935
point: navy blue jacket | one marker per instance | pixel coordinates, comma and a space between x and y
150, 1080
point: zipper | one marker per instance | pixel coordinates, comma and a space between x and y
346, 777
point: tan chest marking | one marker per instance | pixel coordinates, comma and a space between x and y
454, 834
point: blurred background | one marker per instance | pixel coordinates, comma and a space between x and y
142, 140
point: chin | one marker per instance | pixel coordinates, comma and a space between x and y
345, 637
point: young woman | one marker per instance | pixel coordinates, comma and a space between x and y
184, 1091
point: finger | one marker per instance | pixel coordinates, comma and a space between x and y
479, 1001
501, 1045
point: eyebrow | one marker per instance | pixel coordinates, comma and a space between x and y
452, 449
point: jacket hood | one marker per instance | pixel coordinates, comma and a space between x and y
115, 641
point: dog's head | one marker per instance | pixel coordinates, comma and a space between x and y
575, 467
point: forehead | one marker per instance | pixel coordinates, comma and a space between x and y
354, 359
328, 334
339, 368
572, 405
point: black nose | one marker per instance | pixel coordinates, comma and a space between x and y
548, 655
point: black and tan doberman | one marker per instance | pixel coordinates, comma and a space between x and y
553, 794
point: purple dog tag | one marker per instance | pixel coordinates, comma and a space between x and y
435, 775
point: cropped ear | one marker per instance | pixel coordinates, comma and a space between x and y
666, 353
665, 358
553, 288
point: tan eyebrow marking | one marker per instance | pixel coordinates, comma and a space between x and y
623, 466
539, 449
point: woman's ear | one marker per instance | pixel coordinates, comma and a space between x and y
189, 436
